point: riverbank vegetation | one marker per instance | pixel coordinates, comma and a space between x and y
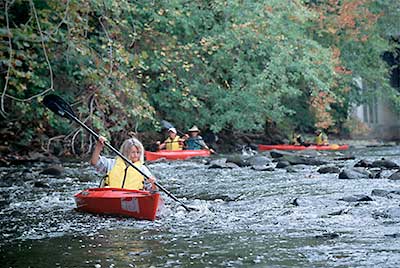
227, 66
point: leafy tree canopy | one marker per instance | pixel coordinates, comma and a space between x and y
219, 64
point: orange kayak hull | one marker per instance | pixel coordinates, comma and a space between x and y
175, 155
287, 147
138, 204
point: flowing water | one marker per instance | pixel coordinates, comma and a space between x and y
246, 218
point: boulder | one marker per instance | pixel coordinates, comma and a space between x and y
217, 196
383, 163
41, 184
282, 164
239, 160
379, 192
385, 193
395, 176
259, 160
295, 159
279, 154
221, 163
363, 163
262, 168
395, 235
375, 173
303, 160
327, 236
357, 198
340, 212
39, 157
328, 169
354, 173
345, 158
54, 170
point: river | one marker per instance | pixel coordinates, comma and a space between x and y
246, 218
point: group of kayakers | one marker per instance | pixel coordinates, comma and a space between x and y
191, 141
121, 175
320, 139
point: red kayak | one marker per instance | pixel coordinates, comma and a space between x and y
140, 205
287, 147
175, 155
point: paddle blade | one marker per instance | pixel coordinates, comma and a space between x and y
58, 106
166, 124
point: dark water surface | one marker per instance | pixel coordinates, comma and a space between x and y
246, 219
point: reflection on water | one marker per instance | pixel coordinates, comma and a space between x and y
245, 218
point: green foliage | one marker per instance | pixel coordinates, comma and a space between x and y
225, 64
236, 63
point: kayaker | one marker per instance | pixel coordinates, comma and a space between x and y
194, 141
296, 139
321, 138
121, 174
173, 142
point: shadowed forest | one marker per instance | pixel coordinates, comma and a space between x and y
239, 66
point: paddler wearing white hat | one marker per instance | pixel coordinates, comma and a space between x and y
173, 142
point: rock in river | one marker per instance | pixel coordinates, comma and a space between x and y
393, 213
395, 176
327, 236
262, 168
328, 169
383, 163
363, 163
385, 193
357, 198
221, 163
303, 160
354, 173
239, 160
282, 164
279, 154
54, 170
41, 184
259, 160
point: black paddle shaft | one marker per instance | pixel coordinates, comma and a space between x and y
60, 107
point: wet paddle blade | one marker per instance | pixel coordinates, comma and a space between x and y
57, 105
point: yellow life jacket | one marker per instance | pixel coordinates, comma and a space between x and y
321, 139
133, 179
173, 144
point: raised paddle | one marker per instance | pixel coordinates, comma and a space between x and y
57, 105
168, 125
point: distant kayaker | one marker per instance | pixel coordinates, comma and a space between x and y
297, 139
173, 142
321, 138
119, 173
194, 141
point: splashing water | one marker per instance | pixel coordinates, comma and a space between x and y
244, 218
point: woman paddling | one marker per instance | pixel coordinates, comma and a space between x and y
119, 173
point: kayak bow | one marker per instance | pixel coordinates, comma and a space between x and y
138, 204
